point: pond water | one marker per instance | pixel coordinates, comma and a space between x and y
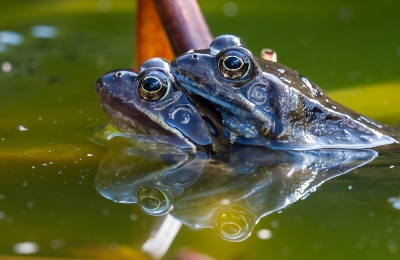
53, 169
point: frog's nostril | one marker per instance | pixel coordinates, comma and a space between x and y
195, 57
117, 75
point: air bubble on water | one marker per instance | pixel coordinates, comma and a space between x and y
264, 234
275, 223
230, 9
55, 244
44, 31
26, 248
133, 217
89, 154
10, 38
350, 187
22, 128
392, 247
6, 66
389, 229
391, 166
395, 202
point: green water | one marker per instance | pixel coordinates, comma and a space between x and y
47, 173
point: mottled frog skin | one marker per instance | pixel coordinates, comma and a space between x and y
268, 104
152, 103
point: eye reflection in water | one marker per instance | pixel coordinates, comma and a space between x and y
228, 192
153, 201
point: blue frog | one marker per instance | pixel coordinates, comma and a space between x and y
265, 103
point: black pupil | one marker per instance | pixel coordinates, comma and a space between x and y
233, 63
151, 84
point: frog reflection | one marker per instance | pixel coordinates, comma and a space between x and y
266, 103
229, 193
146, 173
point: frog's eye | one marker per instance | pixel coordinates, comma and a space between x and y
154, 85
233, 64
154, 201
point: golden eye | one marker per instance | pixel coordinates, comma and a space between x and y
233, 64
153, 201
234, 226
153, 85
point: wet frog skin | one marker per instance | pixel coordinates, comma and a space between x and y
152, 103
268, 104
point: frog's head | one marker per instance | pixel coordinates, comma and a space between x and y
266, 103
152, 102
211, 72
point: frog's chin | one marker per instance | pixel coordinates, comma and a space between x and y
132, 127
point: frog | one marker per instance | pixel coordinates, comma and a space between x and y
265, 103
152, 103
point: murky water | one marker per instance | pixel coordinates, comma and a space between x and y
53, 175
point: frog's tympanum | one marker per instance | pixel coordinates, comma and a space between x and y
266, 103
153, 104
229, 194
